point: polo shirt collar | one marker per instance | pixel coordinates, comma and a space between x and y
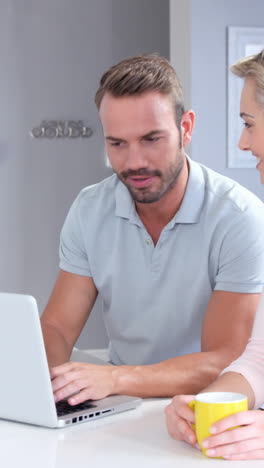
125, 206
190, 209
192, 203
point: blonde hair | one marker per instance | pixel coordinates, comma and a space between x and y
140, 74
252, 66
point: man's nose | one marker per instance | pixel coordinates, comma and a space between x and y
243, 141
136, 158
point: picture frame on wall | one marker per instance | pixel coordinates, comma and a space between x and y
242, 42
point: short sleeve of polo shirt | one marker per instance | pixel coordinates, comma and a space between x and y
73, 255
241, 257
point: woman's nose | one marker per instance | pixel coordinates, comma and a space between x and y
243, 141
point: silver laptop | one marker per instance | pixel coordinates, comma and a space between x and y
25, 392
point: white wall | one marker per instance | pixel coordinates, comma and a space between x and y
180, 44
205, 23
52, 54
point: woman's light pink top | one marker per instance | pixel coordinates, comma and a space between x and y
251, 363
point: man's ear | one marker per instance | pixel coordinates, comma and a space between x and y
187, 126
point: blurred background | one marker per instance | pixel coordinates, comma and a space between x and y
53, 53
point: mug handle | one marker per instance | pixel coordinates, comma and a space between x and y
192, 406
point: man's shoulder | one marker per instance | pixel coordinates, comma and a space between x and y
99, 191
230, 193
100, 188
97, 200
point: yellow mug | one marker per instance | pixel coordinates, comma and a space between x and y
213, 406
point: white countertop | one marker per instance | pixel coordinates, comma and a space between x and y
134, 439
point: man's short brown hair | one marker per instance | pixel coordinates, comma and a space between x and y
140, 74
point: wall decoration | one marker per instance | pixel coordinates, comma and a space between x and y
242, 42
61, 129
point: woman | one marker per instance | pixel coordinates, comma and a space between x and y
246, 374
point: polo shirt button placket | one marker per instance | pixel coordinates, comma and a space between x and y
150, 250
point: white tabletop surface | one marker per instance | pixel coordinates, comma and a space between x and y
134, 439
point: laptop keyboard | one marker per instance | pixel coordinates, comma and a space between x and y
64, 408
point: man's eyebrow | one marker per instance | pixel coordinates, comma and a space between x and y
147, 135
111, 138
244, 114
152, 133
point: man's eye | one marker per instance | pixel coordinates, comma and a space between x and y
152, 139
115, 143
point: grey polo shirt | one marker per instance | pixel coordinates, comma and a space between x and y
155, 297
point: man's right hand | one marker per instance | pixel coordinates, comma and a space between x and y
179, 418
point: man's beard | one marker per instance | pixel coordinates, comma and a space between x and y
168, 180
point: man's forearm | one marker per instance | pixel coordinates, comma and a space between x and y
57, 349
185, 374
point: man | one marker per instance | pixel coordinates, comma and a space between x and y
174, 249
